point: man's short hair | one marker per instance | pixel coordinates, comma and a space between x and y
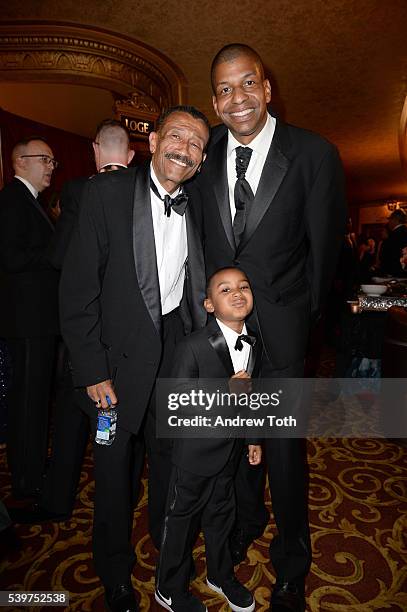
399, 215
183, 108
112, 132
231, 52
21, 144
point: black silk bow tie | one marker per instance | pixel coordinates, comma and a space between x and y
177, 204
244, 338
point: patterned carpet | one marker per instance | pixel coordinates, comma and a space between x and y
358, 518
358, 514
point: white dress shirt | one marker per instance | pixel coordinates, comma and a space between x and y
170, 236
28, 185
112, 164
260, 146
239, 359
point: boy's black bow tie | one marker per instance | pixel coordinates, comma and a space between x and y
245, 338
177, 204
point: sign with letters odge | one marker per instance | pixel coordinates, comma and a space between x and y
138, 127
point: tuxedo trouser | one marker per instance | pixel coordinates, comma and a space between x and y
290, 550
70, 434
113, 554
194, 500
69, 439
159, 449
33, 361
252, 515
117, 471
117, 468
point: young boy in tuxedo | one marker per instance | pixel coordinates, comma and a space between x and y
201, 491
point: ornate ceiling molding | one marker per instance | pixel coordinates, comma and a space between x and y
56, 52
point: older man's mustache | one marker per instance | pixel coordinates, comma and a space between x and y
182, 158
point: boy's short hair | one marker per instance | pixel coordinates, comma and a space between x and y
212, 276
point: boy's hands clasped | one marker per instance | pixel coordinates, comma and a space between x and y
240, 383
254, 454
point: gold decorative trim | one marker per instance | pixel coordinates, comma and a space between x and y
135, 103
62, 52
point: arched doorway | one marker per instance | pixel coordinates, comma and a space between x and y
140, 80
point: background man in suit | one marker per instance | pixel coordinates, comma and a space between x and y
28, 311
128, 293
70, 432
111, 149
273, 204
393, 245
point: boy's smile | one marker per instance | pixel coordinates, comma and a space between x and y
230, 297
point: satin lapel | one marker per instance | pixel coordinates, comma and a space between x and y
218, 342
144, 247
219, 177
255, 354
195, 270
252, 358
274, 170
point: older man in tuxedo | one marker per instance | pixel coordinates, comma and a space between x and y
273, 204
28, 311
132, 285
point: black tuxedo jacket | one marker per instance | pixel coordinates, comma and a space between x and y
292, 236
69, 201
205, 354
109, 291
28, 282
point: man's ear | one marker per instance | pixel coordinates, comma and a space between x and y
152, 139
18, 163
267, 90
96, 155
130, 156
208, 305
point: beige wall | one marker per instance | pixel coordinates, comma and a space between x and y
75, 108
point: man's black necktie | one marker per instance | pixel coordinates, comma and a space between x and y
177, 204
244, 338
243, 192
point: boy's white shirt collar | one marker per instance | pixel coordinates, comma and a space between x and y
230, 335
239, 359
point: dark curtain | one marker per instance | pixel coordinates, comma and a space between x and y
73, 152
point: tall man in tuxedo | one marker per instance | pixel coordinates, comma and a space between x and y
133, 283
28, 311
273, 204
